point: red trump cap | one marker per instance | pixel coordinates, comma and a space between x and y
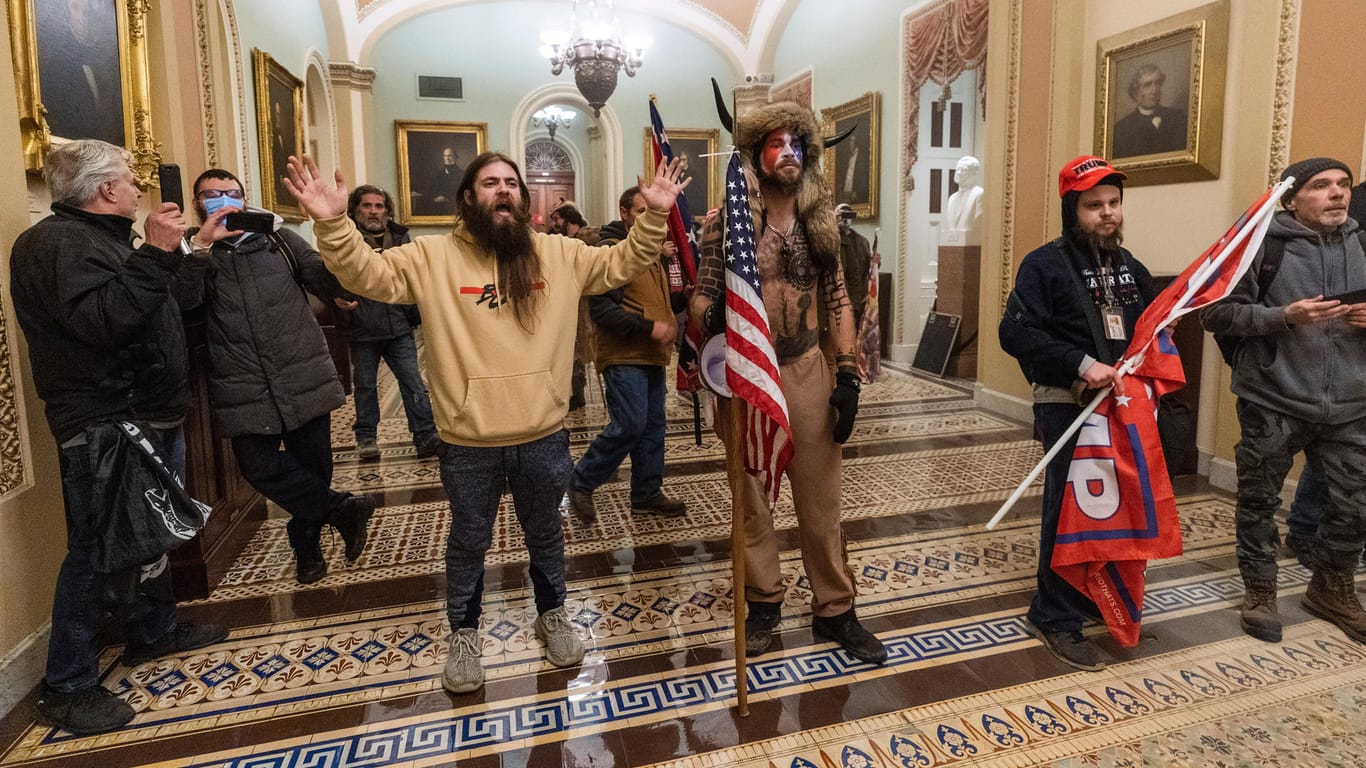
1085, 172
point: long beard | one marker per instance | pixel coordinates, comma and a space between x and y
514, 250
510, 241
1096, 243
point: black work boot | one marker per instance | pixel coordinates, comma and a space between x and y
184, 636
1332, 596
305, 540
760, 620
351, 518
1258, 611
846, 630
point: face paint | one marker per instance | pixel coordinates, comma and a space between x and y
781, 145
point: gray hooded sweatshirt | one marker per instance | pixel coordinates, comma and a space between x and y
1315, 372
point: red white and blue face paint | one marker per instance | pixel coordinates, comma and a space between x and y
782, 147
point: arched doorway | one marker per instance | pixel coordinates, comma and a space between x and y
549, 178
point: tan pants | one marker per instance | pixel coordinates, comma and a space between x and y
814, 473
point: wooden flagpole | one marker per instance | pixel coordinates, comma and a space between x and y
735, 473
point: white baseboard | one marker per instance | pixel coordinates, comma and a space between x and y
22, 668
901, 353
1006, 405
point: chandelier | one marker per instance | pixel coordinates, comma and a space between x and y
553, 117
595, 50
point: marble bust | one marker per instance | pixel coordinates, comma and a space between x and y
964, 213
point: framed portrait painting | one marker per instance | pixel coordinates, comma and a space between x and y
1160, 97
852, 166
431, 162
279, 131
698, 147
82, 73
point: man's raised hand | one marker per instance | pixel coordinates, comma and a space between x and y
318, 197
661, 192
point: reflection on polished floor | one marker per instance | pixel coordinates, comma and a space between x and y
346, 672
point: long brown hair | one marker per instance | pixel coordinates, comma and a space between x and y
519, 266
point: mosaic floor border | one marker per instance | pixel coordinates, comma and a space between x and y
1190, 707
594, 704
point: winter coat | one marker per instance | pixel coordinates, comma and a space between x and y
105, 338
271, 371
1051, 322
624, 318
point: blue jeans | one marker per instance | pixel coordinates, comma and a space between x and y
1311, 496
537, 473
72, 652
635, 409
400, 353
1057, 606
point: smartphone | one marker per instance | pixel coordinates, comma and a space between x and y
1351, 297
250, 221
168, 180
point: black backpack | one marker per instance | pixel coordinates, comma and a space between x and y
1273, 248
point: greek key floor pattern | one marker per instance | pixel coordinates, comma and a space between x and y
347, 672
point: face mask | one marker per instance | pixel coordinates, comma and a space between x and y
212, 204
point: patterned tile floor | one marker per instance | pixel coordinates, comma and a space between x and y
347, 671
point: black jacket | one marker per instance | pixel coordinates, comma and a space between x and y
105, 339
1051, 321
375, 320
271, 370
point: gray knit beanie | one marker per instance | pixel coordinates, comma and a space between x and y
1305, 170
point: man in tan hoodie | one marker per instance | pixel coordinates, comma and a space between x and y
499, 302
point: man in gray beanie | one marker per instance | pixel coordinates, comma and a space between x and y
1297, 375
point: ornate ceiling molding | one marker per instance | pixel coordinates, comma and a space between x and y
344, 74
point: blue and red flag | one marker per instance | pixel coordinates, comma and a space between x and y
683, 270
751, 364
1118, 509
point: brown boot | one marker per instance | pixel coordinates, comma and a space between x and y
1332, 596
1258, 611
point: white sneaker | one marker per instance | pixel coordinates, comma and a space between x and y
562, 645
464, 672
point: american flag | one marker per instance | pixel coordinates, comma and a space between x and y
751, 365
683, 272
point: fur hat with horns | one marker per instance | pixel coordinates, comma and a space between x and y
814, 202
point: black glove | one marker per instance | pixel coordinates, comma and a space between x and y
714, 318
845, 400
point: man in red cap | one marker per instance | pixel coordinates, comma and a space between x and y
1068, 320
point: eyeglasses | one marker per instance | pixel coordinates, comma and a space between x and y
210, 194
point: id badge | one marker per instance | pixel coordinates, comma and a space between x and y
1114, 324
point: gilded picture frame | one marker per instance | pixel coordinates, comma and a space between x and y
431, 163
70, 85
1160, 97
853, 167
699, 146
279, 131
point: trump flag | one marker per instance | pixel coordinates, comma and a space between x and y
1118, 508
